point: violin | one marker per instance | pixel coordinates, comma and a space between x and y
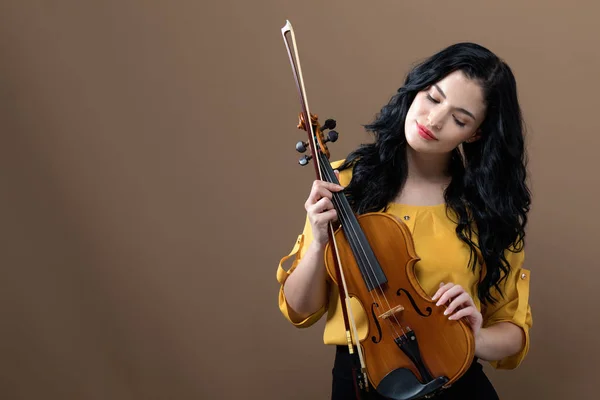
411, 349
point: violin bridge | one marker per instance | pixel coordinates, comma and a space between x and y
390, 313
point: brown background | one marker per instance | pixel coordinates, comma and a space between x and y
149, 185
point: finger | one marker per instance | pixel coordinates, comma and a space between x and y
465, 312
337, 174
326, 217
321, 189
449, 294
316, 194
320, 206
437, 293
443, 288
461, 300
330, 186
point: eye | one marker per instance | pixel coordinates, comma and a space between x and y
432, 99
461, 124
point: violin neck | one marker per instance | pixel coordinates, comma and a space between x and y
370, 269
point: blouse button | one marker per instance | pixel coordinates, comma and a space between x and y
406, 217
523, 276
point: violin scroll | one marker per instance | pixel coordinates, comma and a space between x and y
332, 136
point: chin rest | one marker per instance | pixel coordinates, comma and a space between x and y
402, 384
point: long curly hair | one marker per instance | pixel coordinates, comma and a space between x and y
488, 190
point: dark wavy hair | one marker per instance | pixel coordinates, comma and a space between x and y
488, 190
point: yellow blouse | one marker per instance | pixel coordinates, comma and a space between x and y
443, 258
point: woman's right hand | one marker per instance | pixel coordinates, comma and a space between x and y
320, 208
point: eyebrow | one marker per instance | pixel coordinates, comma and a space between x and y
458, 109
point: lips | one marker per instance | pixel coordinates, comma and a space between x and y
425, 133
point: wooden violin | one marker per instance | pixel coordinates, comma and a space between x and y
411, 350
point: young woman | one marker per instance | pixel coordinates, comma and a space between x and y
448, 159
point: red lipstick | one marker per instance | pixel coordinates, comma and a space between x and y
425, 133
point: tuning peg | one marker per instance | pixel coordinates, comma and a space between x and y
332, 136
301, 146
304, 160
329, 124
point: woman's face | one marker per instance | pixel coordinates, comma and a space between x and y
444, 115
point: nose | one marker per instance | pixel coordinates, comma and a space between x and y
435, 119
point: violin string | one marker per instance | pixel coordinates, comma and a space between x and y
344, 216
354, 333
343, 211
365, 260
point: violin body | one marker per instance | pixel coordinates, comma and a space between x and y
440, 347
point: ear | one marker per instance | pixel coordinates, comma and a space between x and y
476, 136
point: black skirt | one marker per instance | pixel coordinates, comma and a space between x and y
473, 385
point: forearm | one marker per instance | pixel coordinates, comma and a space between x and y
498, 341
305, 289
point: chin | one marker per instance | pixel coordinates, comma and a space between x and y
416, 143
419, 147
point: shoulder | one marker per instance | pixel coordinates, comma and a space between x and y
345, 175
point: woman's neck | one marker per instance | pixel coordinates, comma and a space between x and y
427, 168
426, 180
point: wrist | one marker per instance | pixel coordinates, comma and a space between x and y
316, 246
480, 340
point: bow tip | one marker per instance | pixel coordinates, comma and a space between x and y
287, 26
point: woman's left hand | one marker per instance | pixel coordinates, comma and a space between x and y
461, 302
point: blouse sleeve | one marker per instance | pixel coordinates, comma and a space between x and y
513, 307
298, 251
